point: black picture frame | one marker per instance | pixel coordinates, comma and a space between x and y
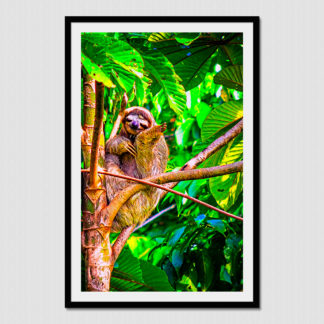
256, 162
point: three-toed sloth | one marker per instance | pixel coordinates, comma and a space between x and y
139, 151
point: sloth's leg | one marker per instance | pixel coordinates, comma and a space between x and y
115, 147
131, 212
114, 184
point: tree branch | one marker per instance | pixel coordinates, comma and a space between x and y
155, 216
95, 248
121, 241
112, 209
94, 179
210, 150
119, 117
214, 147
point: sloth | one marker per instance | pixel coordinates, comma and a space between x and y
139, 151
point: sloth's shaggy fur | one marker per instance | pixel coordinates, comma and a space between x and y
139, 151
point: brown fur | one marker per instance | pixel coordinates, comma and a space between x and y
151, 159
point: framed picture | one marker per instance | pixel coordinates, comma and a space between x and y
158, 212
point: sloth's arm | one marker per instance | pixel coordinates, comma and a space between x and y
152, 151
119, 145
151, 135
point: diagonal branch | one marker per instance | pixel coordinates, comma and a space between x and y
119, 117
121, 241
155, 216
210, 150
214, 147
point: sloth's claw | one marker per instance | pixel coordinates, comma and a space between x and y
163, 127
131, 149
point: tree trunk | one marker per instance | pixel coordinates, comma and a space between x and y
95, 243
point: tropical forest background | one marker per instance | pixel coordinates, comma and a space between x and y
194, 83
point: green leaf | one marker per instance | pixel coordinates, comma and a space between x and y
163, 73
127, 274
177, 259
118, 82
228, 55
196, 186
132, 274
233, 254
140, 246
160, 252
186, 38
221, 117
176, 236
204, 268
204, 110
96, 72
140, 92
231, 77
227, 188
157, 37
193, 99
191, 62
224, 275
183, 131
155, 277
218, 224
233, 54
113, 55
187, 283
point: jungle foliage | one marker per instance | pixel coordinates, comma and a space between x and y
194, 83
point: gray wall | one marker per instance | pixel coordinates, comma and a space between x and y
32, 162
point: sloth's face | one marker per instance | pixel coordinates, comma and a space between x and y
135, 124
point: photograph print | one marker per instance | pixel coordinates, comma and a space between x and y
162, 162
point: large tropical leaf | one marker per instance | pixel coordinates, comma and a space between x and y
183, 131
221, 117
127, 273
132, 274
203, 111
140, 246
162, 72
109, 55
155, 277
231, 77
193, 60
204, 267
186, 38
229, 55
96, 72
226, 189
183, 38
157, 37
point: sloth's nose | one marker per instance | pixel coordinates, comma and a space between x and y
134, 124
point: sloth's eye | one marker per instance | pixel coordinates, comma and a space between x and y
144, 126
128, 119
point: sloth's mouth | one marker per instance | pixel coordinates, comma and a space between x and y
133, 130
134, 127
